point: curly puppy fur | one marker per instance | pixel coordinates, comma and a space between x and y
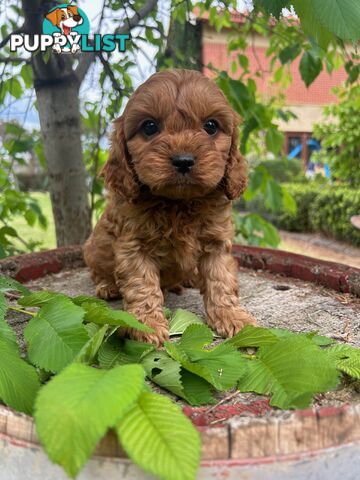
163, 228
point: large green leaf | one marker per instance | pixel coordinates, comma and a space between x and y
159, 438
116, 351
19, 382
102, 315
291, 370
169, 374
221, 366
89, 351
251, 336
56, 334
339, 16
310, 22
274, 139
38, 299
9, 284
7, 335
317, 339
80, 299
181, 320
346, 358
76, 408
289, 53
310, 67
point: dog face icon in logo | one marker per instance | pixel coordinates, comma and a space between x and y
68, 21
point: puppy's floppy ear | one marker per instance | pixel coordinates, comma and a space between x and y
53, 16
118, 172
235, 180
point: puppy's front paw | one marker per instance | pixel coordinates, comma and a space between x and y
107, 291
157, 322
227, 322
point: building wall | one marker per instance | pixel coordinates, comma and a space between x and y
306, 103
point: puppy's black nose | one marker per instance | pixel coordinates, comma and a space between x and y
77, 18
183, 162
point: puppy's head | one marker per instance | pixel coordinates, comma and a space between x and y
177, 136
69, 16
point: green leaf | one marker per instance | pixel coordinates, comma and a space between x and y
289, 202
169, 374
19, 382
274, 139
89, 351
102, 315
15, 88
251, 336
292, 371
116, 351
38, 299
157, 436
310, 23
273, 196
310, 67
181, 320
26, 75
80, 299
56, 334
221, 366
9, 284
76, 408
339, 16
7, 335
282, 333
347, 359
289, 53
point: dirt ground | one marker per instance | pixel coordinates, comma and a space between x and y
318, 246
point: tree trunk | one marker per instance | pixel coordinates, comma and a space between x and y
58, 106
57, 93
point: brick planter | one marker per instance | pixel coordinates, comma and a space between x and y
237, 439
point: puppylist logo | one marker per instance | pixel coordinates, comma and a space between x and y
66, 29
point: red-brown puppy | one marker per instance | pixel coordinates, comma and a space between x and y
173, 169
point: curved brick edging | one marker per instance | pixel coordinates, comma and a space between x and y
31, 266
335, 276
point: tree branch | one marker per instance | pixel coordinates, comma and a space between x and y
87, 59
14, 59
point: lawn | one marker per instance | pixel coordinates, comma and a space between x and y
46, 237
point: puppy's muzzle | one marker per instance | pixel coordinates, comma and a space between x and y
183, 162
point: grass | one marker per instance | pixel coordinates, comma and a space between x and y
46, 238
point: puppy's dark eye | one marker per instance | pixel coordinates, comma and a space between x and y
211, 127
149, 128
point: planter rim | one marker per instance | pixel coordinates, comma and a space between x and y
336, 276
306, 431
329, 428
